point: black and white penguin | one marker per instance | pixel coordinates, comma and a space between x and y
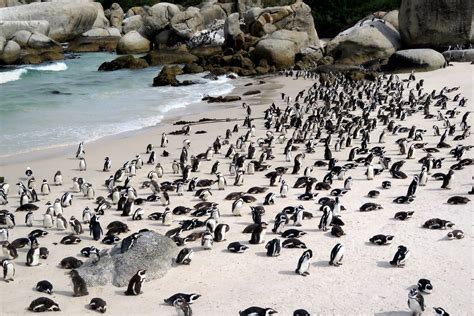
337, 254
32, 257
185, 256
386, 184
128, 242
304, 263
257, 311
110, 239
326, 219
413, 186
447, 180
76, 226
273, 247
237, 207
70, 263
70, 240
381, 239
258, 234
236, 247
220, 232
293, 233
416, 302
440, 311
207, 240
45, 188
135, 284
269, 199
337, 231
284, 188
66, 199
425, 286
293, 243
400, 257
8, 270
29, 218
95, 229
281, 219
9, 250
188, 298
82, 164
44, 286
43, 304
98, 304
44, 253
402, 215
456, 234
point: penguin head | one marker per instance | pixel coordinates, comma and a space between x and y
440, 311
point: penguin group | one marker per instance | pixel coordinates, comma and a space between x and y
314, 152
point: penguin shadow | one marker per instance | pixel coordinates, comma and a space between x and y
288, 272
322, 263
384, 264
393, 313
261, 254
120, 292
444, 238
64, 293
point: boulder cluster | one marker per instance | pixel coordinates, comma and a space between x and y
237, 36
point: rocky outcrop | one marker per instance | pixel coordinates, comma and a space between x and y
170, 56
152, 252
233, 35
9, 3
123, 62
8, 28
9, 51
281, 47
158, 18
66, 20
423, 59
96, 40
101, 21
221, 99
364, 42
459, 55
243, 5
167, 76
187, 23
133, 43
192, 69
115, 15
35, 41
133, 23
428, 23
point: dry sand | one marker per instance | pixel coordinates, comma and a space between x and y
364, 285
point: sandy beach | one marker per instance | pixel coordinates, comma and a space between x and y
366, 284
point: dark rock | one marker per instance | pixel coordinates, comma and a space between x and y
252, 92
123, 62
167, 57
192, 68
31, 59
221, 99
415, 59
167, 77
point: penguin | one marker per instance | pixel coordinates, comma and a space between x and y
98, 304
189, 298
82, 164
237, 206
58, 178
326, 219
423, 177
293, 233
128, 242
151, 158
370, 172
159, 170
29, 218
400, 257
221, 181
425, 286
182, 307
66, 199
136, 282
386, 185
95, 229
304, 263
138, 214
447, 180
273, 247
70, 240
257, 311
167, 219
28, 173
337, 231
86, 215
236, 247
458, 234
78, 284
44, 286
381, 239
284, 189
9, 250
297, 163
269, 199
110, 239
44, 253
185, 256
8, 270
207, 240
258, 234
416, 302
402, 215
440, 311
43, 304
220, 232
61, 222
239, 178
45, 188
281, 219
76, 226
293, 243
348, 183
10, 220
337, 254
32, 257
70, 263
413, 186
298, 216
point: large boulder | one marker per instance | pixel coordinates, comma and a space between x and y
294, 17
244, 5
172, 56
364, 42
96, 40
123, 62
151, 251
66, 20
8, 28
10, 53
459, 55
422, 59
133, 43
279, 52
440, 23
158, 18
116, 15
187, 23
133, 23
233, 35
167, 76
9, 3
35, 41
101, 21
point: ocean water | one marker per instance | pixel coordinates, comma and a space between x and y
66, 102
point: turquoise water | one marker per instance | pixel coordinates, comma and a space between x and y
66, 102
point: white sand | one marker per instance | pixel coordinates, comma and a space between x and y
364, 284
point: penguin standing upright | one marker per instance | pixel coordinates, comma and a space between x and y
447, 180
258, 234
370, 172
8, 270
135, 284
58, 178
416, 302
45, 188
273, 247
348, 183
107, 164
207, 240
167, 217
298, 162
78, 284
95, 228
164, 140
237, 206
29, 218
80, 150
304, 263
413, 186
337, 253
326, 219
61, 222
32, 257
284, 189
82, 164
423, 176
400, 257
